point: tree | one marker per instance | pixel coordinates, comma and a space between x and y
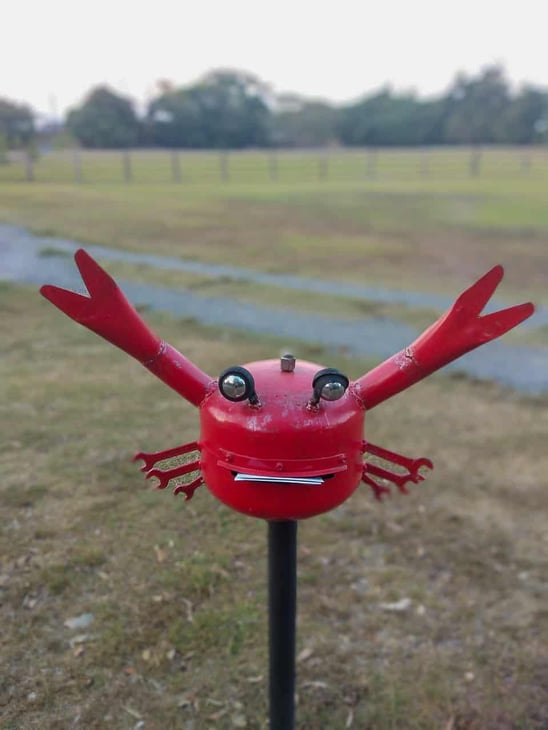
386, 119
16, 123
105, 119
225, 110
476, 106
174, 120
300, 122
525, 117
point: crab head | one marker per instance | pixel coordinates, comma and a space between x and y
282, 439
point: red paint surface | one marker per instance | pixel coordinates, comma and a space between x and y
281, 437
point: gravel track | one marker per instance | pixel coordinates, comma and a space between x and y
521, 367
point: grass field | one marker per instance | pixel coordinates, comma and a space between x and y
178, 589
399, 228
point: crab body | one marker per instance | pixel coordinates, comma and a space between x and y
307, 459
277, 442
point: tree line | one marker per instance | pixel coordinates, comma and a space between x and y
236, 110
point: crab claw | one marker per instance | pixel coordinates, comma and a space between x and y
106, 311
458, 331
109, 314
462, 328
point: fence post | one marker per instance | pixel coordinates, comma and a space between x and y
273, 165
371, 163
525, 162
3, 149
126, 162
175, 166
29, 164
223, 166
77, 164
425, 163
474, 165
323, 167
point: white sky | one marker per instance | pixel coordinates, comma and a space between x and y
53, 51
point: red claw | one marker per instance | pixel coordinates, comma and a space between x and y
108, 313
458, 331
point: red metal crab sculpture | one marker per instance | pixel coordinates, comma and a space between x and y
283, 440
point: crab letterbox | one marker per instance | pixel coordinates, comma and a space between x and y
283, 439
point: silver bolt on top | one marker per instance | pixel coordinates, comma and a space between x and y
287, 363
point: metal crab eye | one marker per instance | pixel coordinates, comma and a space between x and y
237, 384
234, 387
332, 391
329, 384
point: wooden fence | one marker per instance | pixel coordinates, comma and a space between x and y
181, 167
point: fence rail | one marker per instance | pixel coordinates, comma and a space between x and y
270, 166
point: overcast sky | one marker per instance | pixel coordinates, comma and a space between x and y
53, 51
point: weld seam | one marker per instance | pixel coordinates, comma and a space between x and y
161, 351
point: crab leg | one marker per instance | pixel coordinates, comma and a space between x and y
413, 465
378, 489
150, 459
164, 476
189, 489
400, 480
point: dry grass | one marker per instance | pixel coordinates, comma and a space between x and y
276, 297
177, 589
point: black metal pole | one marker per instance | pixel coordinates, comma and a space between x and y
282, 605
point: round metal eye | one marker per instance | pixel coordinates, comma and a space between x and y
233, 387
237, 384
329, 384
332, 391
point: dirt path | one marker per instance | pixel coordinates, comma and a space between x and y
524, 368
